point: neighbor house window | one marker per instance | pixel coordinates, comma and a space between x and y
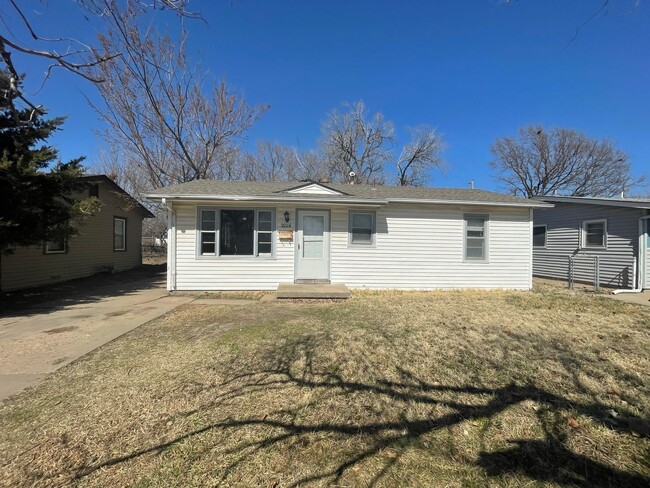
235, 232
539, 236
594, 233
119, 234
476, 237
56, 246
362, 228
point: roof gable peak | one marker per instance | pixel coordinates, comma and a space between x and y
313, 187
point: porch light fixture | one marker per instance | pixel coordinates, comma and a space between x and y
286, 216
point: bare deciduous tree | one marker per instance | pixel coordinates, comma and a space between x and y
276, 162
65, 51
541, 162
159, 114
351, 142
418, 157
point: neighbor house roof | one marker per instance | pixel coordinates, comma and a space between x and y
201, 190
119, 191
612, 202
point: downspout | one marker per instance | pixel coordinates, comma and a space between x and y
171, 245
637, 277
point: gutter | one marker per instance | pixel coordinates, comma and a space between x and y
241, 198
347, 201
471, 202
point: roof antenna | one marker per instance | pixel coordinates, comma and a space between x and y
471, 184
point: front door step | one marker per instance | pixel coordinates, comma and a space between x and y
313, 290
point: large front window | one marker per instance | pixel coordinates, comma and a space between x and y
235, 232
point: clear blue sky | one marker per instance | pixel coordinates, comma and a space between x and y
476, 69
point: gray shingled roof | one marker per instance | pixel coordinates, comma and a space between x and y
195, 190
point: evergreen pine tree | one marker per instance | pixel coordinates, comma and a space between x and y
40, 197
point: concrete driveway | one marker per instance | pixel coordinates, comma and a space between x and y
43, 338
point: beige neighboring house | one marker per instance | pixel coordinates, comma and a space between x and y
110, 240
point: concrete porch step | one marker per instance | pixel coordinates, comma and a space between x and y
313, 290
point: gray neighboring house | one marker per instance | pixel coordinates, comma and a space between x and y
108, 240
238, 235
614, 229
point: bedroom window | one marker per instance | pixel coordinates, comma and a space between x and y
362, 228
476, 237
119, 234
235, 232
539, 236
594, 233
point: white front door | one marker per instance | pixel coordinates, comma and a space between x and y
313, 245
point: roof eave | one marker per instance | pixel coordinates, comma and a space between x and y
483, 203
596, 201
256, 198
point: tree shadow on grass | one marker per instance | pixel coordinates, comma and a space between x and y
292, 366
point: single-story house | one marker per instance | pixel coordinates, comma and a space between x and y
237, 235
107, 241
613, 229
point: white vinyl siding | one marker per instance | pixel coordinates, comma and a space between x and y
416, 248
421, 248
195, 272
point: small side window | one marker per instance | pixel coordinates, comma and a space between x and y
476, 237
539, 236
594, 234
208, 233
119, 234
56, 246
362, 228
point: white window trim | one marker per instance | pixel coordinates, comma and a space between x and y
545, 236
217, 232
373, 230
486, 238
123, 219
583, 233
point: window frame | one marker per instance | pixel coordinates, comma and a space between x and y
217, 233
486, 238
123, 219
373, 228
583, 234
545, 236
63, 251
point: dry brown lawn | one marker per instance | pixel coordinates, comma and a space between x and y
547, 388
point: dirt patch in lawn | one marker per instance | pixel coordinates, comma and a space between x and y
386, 389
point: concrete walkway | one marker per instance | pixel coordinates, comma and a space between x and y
641, 298
43, 338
